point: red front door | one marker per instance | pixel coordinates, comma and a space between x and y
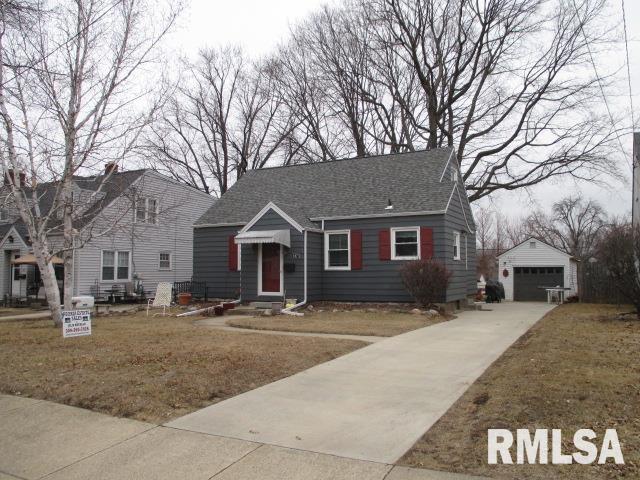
271, 268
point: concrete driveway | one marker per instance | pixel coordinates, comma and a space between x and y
374, 403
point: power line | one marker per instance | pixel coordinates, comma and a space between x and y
69, 40
595, 69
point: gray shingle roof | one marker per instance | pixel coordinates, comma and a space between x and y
358, 186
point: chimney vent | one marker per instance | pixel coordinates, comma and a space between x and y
111, 167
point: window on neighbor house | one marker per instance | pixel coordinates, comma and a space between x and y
337, 256
115, 265
404, 243
147, 210
165, 260
456, 245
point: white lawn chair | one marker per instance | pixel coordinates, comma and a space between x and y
161, 299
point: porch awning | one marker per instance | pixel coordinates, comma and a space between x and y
265, 236
30, 259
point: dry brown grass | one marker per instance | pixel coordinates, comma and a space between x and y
579, 367
8, 312
355, 322
151, 369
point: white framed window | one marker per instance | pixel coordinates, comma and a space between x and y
116, 265
165, 261
337, 250
405, 243
147, 211
456, 245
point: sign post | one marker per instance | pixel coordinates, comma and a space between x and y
76, 323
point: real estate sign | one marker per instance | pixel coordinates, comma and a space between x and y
76, 323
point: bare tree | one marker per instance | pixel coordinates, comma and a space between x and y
574, 226
619, 250
68, 103
223, 119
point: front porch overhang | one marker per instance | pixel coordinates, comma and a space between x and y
282, 237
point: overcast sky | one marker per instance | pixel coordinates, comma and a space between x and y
259, 25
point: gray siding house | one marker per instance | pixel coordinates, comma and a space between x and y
135, 227
338, 230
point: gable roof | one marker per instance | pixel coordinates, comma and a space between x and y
541, 241
359, 186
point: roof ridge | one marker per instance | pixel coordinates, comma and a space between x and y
347, 159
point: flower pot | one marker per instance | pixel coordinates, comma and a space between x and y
184, 298
228, 305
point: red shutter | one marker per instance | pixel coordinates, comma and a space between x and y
426, 243
384, 244
233, 254
356, 249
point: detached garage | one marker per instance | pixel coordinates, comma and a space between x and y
532, 265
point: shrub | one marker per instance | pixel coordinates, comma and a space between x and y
619, 251
426, 281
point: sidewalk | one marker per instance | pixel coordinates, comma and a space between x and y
44, 440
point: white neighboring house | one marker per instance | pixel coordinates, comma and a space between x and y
137, 228
533, 264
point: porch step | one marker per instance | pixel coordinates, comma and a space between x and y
266, 305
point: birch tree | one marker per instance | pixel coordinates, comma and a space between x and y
71, 99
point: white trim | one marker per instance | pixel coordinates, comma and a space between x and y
393, 242
379, 215
453, 190
116, 254
278, 210
537, 240
6, 236
270, 294
456, 245
164, 269
239, 262
326, 249
453, 150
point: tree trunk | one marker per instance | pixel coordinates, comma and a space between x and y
48, 274
68, 244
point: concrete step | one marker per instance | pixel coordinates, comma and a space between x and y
264, 305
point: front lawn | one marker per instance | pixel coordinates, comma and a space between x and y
150, 368
354, 322
579, 367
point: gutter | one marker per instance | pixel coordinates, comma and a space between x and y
289, 310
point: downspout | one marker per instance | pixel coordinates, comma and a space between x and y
289, 310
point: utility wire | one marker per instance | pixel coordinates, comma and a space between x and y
595, 69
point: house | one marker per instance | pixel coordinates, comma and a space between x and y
532, 265
134, 227
338, 230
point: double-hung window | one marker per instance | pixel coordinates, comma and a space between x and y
405, 243
147, 210
165, 261
115, 265
337, 255
456, 245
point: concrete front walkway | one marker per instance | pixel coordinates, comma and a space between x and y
44, 440
374, 403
